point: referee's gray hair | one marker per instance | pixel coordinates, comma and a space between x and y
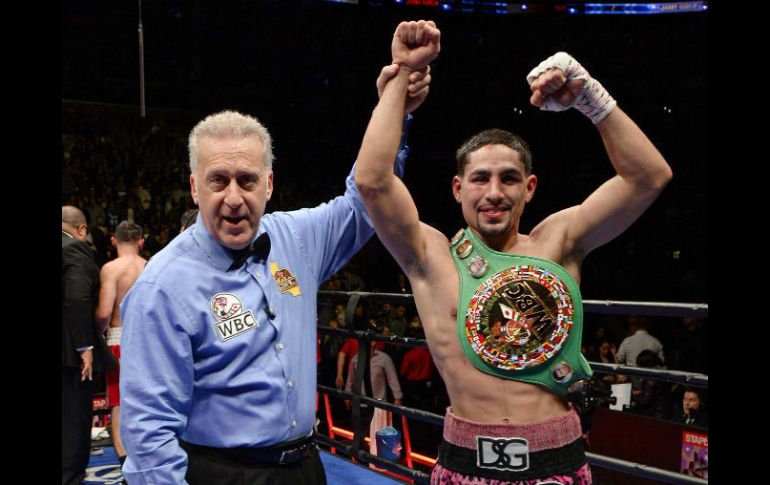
227, 124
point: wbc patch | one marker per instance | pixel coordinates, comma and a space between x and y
520, 317
232, 320
509, 454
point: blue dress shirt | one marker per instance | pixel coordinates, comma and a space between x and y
225, 358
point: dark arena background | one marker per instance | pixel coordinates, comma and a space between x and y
307, 70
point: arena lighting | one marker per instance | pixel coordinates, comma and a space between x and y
513, 8
643, 8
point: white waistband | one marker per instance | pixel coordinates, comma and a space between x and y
113, 335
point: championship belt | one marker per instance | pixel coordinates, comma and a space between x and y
523, 317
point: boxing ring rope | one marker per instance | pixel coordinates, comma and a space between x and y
646, 308
351, 451
612, 307
365, 337
638, 470
678, 376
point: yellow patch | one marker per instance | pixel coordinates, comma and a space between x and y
285, 280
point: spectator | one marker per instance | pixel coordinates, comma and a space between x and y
397, 321
351, 281
83, 348
652, 397
693, 410
383, 376
691, 350
417, 373
606, 354
117, 277
638, 341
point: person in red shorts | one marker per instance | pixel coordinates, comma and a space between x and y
117, 276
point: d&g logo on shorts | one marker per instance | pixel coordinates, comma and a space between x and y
232, 320
502, 453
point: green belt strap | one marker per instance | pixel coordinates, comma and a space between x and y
519, 317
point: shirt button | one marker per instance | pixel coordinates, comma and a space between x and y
291, 384
293, 423
279, 346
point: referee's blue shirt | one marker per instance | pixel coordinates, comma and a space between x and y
224, 358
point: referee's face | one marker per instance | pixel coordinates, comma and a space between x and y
231, 187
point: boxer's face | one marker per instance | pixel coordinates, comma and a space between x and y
493, 191
231, 187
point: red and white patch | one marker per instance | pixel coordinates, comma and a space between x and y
225, 305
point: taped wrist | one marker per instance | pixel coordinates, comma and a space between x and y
594, 101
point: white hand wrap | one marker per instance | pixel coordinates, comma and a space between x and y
594, 102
